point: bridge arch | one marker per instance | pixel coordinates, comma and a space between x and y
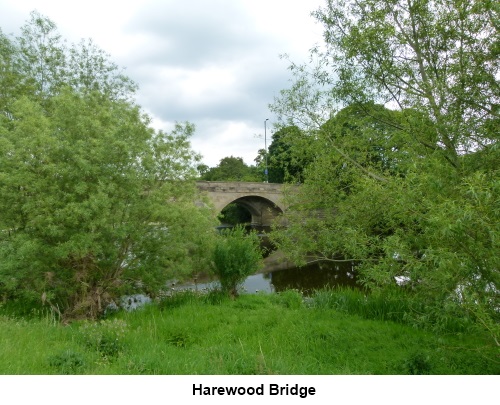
264, 201
262, 210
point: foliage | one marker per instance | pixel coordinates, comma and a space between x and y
94, 202
231, 169
233, 214
284, 164
236, 255
67, 362
105, 337
410, 192
439, 57
418, 364
47, 65
394, 305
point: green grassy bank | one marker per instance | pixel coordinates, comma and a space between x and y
254, 334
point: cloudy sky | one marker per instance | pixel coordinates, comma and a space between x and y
214, 63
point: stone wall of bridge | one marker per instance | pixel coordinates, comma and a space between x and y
264, 201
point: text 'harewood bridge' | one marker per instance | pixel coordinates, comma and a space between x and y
264, 201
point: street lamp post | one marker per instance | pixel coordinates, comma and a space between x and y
265, 149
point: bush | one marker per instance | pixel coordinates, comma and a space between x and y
106, 337
418, 364
67, 362
236, 255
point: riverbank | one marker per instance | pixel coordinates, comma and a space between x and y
255, 334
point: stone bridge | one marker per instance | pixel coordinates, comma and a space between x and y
264, 201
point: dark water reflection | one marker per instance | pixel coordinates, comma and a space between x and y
306, 279
314, 276
280, 276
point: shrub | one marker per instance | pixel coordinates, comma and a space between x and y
236, 255
106, 336
67, 362
418, 364
180, 339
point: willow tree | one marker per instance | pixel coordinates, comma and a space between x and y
94, 202
409, 190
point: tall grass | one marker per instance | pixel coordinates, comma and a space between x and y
395, 305
382, 307
191, 333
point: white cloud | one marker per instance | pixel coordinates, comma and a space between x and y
214, 63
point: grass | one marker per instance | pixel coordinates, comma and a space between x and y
255, 334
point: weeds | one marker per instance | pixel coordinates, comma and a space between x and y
418, 363
291, 299
178, 299
179, 339
67, 362
106, 337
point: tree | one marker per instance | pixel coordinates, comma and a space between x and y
439, 57
95, 203
48, 65
284, 164
404, 191
236, 256
202, 169
41, 55
231, 169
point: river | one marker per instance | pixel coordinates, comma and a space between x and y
276, 275
279, 275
